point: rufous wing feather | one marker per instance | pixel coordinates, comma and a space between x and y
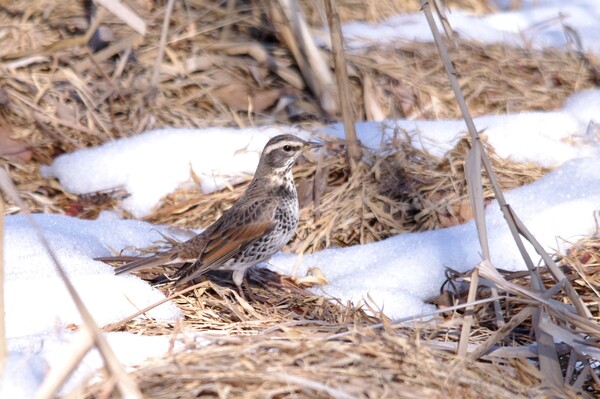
222, 246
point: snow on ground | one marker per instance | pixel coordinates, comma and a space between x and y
38, 306
398, 273
538, 24
27, 365
75, 242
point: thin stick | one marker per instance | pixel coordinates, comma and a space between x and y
465, 331
341, 74
497, 309
63, 44
548, 356
536, 280
118, 324
59, 373
503, 331
308, 383
126, 14
3, 350
162, 44
294, 30
126, 385
415, 318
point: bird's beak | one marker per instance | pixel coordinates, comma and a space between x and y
312, 144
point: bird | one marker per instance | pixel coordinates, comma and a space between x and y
257, 226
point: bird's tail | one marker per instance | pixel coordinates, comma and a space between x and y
139, 264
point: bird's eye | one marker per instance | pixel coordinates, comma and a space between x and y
287, 148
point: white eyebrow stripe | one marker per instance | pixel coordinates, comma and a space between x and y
282, 144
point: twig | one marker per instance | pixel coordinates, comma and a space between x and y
63, 44
468, 317
123, 45
341, 74
59, 373
398, 323
502, 332
548, 356
310, 384
3, 350
497, 308
126, 14
291, 25
162, 44
126, 385
118, 324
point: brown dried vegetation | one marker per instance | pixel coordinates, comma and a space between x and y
225, 65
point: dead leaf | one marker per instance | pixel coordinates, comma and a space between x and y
11, 149
314, 277
4, 98
465, 210
239, 97
448, 220
66, 112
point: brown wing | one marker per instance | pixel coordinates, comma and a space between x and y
240, 227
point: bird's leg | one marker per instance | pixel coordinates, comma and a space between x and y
241, 291
240, 278
246, 284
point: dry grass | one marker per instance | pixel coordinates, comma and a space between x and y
375, 11
409, 81
234, 72
227, 67
286, 342
316, 364
216, 306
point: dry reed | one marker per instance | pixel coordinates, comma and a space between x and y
226, 66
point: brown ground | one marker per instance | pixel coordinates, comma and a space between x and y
226, 64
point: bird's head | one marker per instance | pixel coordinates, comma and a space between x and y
281, 152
